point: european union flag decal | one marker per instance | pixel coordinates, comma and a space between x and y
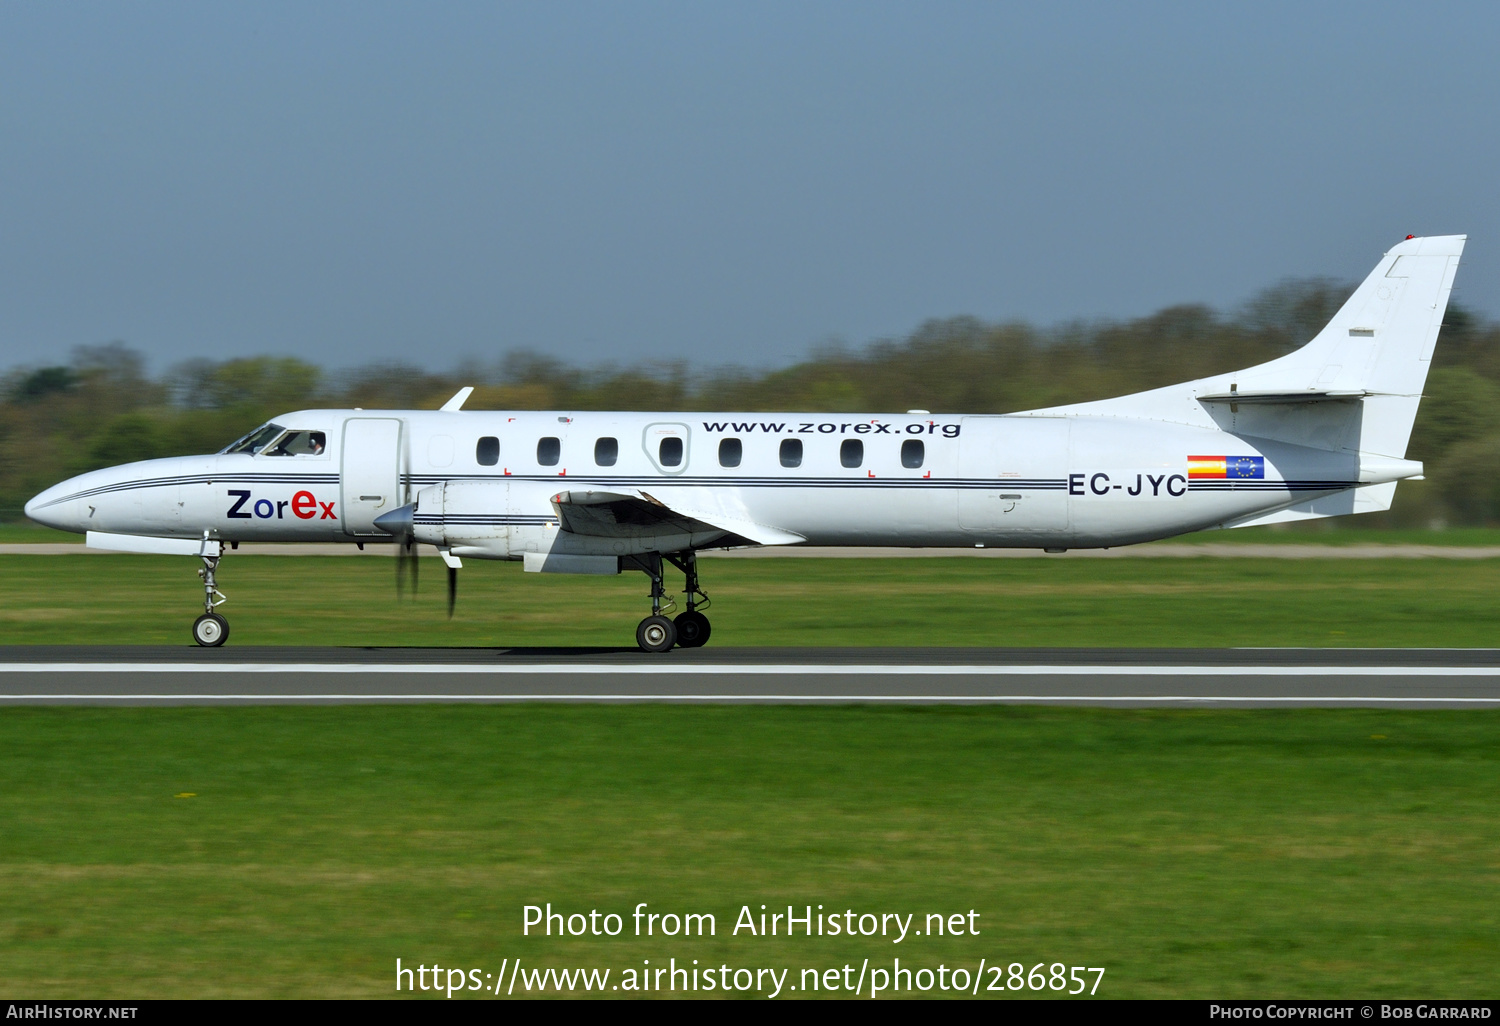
1227, 467
1245, 467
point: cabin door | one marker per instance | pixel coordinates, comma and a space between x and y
1014, 473
370, 477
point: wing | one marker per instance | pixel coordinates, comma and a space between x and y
637, 514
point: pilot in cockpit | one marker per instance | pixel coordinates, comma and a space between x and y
300, 443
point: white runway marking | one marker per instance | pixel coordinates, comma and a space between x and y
729, 697
766, 669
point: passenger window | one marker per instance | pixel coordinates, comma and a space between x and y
606, 452
487, 452
912, 453
299, 443
731, 451
548, 452
791, 452
670, 452
852, 452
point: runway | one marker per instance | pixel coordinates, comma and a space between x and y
1166, 678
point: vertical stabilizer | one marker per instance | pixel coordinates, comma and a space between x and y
1378, 346
1354, 387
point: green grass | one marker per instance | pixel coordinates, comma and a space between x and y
1023, 602
1224, 853
1318, 532
27, 533
1340, 532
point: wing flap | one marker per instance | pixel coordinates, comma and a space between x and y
636, 514
617, 515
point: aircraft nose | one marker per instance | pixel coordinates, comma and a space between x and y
45, 509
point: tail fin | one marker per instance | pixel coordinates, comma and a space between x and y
1354, 387
1377, 348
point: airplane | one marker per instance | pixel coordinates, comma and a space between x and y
1319, 432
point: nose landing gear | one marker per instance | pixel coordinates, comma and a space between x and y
210, 630
658, 633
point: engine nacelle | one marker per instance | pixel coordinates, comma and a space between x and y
470, 517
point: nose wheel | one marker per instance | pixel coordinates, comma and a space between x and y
211, 630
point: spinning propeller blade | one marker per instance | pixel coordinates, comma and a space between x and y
398, 524
406, 564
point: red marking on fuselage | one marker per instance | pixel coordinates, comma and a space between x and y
304, 505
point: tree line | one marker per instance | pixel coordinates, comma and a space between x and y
102, 408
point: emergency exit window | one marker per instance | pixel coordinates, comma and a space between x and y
671, 452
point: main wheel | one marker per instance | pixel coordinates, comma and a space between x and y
692, 629
656, 634
210, 630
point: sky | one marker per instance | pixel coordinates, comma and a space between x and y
710, 182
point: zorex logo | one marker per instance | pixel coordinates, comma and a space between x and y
305, 506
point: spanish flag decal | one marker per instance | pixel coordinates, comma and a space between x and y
1242, 468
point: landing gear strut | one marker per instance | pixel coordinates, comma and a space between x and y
655, 633
692, 626
211, 630
658, 633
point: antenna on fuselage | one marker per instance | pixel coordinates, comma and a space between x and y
458, 400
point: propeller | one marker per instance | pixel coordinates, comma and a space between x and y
406, 565
398, 524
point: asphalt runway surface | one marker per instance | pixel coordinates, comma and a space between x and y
1170, 678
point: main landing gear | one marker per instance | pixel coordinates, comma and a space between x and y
211, 630
658, 633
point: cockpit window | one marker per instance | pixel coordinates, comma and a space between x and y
298, 443
256, 440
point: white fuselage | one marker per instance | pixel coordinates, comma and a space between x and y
484, 482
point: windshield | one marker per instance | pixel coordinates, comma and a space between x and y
255, 440
297, 443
